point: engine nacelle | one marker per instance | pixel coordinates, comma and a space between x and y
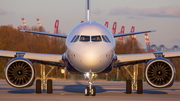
20, 73
160, 73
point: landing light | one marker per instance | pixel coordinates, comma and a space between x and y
87, 74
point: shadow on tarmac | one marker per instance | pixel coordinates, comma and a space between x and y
79, 88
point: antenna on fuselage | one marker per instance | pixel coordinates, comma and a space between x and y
88, 15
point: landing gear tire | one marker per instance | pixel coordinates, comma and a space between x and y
139, 87
87, 91
49, 86
93, 91
38, 86
128, 87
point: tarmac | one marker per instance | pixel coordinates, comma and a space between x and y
70, 90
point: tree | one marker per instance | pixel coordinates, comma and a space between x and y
14, 40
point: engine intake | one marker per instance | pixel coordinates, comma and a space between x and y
20, 72
160, 73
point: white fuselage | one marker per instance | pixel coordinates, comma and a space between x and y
90, 55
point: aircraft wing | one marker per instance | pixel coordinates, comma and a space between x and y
132, 58
44, 33
126, 34
49, 58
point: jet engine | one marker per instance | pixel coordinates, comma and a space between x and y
160, 73
20, 73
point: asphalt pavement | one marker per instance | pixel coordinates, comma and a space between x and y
70, 90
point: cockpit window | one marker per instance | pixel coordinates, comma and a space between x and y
85, 38
75, 38
96, 38
105, 38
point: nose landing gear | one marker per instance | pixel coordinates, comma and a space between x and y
90, 90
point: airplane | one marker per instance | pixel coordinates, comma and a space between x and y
90, 51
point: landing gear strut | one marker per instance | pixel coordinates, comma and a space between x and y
90, 90
43, 85
134, 84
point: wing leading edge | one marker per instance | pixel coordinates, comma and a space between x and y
44, 33
56, 58
126, 34
127, 58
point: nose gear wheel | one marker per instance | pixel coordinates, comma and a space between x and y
90, 90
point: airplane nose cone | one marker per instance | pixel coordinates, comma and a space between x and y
94, 57
91, 58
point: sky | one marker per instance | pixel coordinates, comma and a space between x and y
160, 15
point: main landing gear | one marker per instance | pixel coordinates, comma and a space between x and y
90, 90
43, 85
134, 84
